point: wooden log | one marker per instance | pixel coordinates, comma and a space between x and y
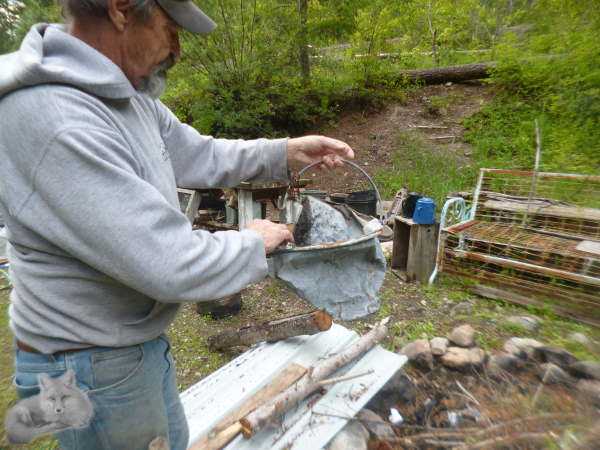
502, 294
310, 382
571, 212
438, 75
272, 331
229, 427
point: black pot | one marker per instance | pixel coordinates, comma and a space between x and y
409, 204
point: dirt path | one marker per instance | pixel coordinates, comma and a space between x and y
433, 112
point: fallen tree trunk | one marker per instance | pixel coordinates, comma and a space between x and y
272, 331
262, 417
438, 75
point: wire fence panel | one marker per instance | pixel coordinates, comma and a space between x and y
536, 233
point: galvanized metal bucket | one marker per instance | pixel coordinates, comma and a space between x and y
342, 277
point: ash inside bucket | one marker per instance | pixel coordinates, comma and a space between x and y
320, 223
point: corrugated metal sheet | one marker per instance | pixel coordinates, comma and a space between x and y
213, 398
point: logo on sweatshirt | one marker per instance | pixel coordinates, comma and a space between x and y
163, 151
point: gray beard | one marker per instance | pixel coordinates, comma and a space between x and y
155, 84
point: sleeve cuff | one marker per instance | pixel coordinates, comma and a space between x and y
275, 152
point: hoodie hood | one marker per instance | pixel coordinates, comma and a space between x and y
49, 54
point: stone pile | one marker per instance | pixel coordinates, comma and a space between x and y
552, 364
459, 351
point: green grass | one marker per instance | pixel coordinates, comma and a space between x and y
418, 166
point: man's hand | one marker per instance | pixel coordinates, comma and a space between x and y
307, 150
273, 234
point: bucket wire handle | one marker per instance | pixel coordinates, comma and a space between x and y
356, 166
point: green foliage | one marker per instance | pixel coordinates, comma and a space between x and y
8, 24
553, 77
244, 79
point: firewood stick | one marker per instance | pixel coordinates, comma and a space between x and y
506, 440
272, 331
345, 377
262, 417
229, 427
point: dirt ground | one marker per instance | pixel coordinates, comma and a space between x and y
434, 112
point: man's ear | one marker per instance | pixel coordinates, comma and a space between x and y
118, 13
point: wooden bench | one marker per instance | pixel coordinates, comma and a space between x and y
534, 237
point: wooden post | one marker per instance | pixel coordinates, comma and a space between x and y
414, 250
422, 251
400, 245
189, 202
245, 208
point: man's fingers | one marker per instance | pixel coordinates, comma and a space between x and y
341, 148
328, 161
273, 234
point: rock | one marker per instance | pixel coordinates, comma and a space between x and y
580, 338
586, 369
463, 358
521, 347
463, 336
552, 374
438, 345
377, 430
397, 391
387, 249
419, 352
527, 322
354, 435
500, 364
555, 355
462, 307
395, 417
590, 390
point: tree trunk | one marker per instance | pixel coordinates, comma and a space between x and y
272, 331
262, 417
440, 75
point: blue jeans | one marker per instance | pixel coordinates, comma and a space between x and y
132, 389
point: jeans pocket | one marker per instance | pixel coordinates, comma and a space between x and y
111, 368
27, 368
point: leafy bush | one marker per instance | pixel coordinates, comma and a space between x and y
553, 77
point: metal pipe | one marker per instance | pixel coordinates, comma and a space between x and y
356, 166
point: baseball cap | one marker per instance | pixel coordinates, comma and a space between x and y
188, 16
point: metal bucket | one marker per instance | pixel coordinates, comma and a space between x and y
342, 273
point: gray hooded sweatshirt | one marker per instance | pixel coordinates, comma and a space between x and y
100, 253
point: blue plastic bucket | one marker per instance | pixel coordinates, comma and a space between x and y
424, 211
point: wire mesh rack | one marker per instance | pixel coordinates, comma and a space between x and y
525, 232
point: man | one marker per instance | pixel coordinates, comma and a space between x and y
100, 254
